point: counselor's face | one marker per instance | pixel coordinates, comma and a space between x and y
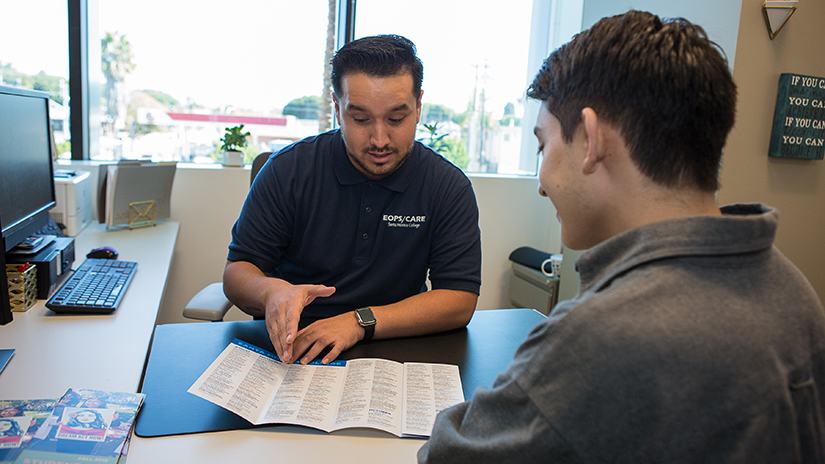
378, 116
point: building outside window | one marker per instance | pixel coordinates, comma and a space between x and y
475, 70
34, 55
173, 75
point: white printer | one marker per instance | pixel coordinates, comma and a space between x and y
73, 192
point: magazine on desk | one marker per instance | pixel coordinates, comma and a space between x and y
400, 398
19, 421
84, 426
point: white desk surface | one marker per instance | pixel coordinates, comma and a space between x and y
283, 444
55, 352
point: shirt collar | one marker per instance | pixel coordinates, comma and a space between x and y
741, 229
347, 174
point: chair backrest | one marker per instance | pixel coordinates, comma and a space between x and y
257, 164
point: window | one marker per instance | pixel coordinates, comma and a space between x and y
175, 74
476, 70
33, 55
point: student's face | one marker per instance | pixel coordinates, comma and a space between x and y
5, 425
561, 179
86, 417
378, 116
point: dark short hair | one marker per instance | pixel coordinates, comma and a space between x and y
380, 55
662, 83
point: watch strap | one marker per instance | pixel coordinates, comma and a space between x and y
369, 331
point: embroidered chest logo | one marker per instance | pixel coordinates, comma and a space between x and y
404, 221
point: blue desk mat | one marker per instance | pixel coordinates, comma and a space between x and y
5, 355
180, 353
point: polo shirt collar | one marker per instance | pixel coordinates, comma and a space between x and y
347, 174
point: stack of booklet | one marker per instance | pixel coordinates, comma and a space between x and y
82, 426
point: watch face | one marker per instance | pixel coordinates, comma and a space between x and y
365, 316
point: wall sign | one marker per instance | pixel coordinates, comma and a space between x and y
799, 119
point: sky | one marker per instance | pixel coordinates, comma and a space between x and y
260, 54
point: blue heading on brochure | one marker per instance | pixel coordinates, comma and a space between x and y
271, 355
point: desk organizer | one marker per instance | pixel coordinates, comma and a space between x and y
142, 214
22, 286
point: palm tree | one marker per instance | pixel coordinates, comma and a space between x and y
325, 115
116, 61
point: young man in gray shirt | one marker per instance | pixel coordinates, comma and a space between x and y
692, 338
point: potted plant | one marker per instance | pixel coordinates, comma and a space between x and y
232, 141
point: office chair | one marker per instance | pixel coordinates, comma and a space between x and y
210, 304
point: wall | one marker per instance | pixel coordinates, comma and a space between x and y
719, 18
794, 187
206, 202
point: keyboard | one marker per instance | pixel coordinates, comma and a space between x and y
97, 286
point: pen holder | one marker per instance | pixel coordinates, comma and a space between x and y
22, 286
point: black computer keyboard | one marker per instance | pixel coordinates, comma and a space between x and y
97, 286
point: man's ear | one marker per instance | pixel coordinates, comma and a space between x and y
337, 108
594, 138
418, 104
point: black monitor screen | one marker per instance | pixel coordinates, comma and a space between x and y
26, 176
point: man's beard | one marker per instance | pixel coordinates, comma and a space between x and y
372, 169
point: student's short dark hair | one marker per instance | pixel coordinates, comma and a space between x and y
381, 56
662, 83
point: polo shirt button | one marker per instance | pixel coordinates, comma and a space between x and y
365, 236
369, 210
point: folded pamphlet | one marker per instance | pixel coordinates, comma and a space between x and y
400, 398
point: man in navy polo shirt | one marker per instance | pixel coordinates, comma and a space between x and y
340, 230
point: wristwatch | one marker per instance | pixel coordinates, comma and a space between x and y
367, 320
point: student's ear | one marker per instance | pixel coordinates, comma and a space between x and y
594, 139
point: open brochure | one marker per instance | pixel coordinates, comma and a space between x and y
84, 426
400, 398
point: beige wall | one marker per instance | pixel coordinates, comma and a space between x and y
795, 187
206, 202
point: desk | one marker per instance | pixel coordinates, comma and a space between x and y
181, 352
56, 352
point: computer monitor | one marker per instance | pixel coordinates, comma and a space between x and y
26, 173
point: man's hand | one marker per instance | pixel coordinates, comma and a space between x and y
336, 333
283, 311
282, 303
